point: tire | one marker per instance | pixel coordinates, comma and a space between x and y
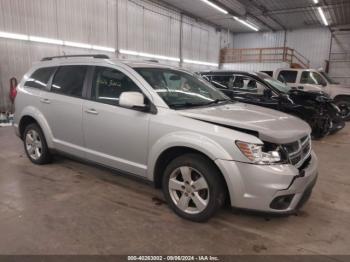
35, 145
344, 106
337, 126
193, 187
322, 127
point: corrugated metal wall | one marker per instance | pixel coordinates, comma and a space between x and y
258, 40
139, 25
339, 64
312, 43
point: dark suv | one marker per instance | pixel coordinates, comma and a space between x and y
316, 108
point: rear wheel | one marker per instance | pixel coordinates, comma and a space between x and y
35, 145
193, 187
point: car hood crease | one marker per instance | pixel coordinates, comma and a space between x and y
271, 125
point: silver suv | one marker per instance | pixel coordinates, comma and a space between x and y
168, 126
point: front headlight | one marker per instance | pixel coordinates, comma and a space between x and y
258, 154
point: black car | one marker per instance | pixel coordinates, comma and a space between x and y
317, 109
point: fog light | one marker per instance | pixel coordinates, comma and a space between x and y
281, 202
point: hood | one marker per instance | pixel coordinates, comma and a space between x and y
306, 96
271, 125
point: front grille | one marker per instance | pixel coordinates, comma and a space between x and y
298, 151
295, 160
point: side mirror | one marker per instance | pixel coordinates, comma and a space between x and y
132, 100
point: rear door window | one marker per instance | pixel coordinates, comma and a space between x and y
40, 78
69, 80
288, 76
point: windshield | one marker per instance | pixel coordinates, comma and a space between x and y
329, 80
180, 89
280, 86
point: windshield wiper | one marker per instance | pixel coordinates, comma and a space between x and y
187, 104
216, 101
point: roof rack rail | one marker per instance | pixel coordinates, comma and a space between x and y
68, 56
152, 60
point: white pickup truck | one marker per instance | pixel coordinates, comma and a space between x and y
315, 80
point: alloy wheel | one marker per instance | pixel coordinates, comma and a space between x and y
189, 190
344, 110
33, 144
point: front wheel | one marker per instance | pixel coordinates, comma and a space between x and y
193, 187
344, 106
322, 127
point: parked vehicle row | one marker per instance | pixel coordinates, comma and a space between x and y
316, 81
316, 108
168, 126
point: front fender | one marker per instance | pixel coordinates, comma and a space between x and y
185, 139
339, 97
39, 117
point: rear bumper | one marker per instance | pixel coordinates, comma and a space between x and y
270, 188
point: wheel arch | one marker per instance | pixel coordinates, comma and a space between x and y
165, 158
24, 122
342, 97
171, 153
32, 115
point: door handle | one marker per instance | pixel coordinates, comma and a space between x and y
45, 101
91, 111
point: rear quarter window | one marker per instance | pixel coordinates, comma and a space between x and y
40, 77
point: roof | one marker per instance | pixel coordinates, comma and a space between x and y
228, 72
143, 64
